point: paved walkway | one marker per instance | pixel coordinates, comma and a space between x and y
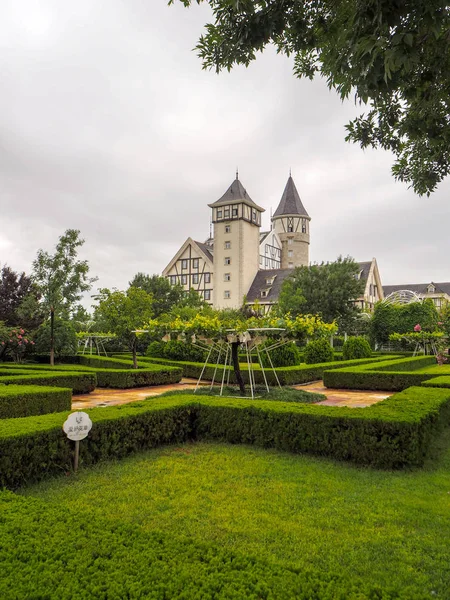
352, 398
110, 397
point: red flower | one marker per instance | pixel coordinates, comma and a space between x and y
417, 327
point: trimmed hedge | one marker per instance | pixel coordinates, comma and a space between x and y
79, 383
318, 351
26, 400
286, 375
391, 434
393, 375
441, 382
110, 559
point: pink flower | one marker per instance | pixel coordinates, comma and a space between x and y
417, 327
20, 337
440, 323
22, 331
3, 343
32, 343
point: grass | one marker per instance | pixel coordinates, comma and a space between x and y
390, 529
283, 394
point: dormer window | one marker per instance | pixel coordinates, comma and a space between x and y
270, 280
265, 293
431, 289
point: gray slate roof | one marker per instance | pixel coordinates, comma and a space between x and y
418, 288
259, 283
206, 250
235, 193
290, 203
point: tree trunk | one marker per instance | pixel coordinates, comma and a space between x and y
135, 365
52, 336
236, 367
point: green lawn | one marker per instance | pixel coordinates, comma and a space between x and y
389, 529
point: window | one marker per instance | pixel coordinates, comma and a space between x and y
290, 225
431, 289
234, 212
183, 279
290, 253
371, 289
227, 277
264, 293
207, 277
270, 280
195, 263
173, 279
227, 260
195, 278
184, 263
227, 294
219, 214
291, 265
207, 294
290, 241
253, 215
227, 228
226, 213
303, 226
227, 245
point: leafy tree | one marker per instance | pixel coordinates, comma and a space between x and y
17, 295
123, 313
165, 295
392, 55
328, 290
65, 341
61, 279
401, 318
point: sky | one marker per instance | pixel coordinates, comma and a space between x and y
109, 125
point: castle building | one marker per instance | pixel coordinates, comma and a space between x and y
239, 263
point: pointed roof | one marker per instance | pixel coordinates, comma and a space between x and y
235, 193
290, 203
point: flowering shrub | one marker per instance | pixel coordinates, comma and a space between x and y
14, 343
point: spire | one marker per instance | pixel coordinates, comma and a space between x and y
290, 203
237, 173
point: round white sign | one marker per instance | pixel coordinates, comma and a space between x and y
77, 426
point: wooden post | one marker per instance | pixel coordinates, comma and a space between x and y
77, 455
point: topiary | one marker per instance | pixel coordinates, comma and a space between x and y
287, 355
356, 347
318, 351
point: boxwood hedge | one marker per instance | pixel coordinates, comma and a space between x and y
392, 375
79, 383
390, 434
25, 400
286, 375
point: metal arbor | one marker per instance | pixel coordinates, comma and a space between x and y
402, 297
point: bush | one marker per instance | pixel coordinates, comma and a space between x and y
318, 351
26, 400
132, 378
287, 355
79, 383
390, 434
356, 347
178, 350
155, 349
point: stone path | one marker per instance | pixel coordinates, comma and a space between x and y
107, 397
352, 398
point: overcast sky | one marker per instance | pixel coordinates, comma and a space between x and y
108, 124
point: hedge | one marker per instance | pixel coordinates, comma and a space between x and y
26, 400
118, 378
286, 375
104, 558
79, 383
391, 434
105, 362
393, 375
442, 382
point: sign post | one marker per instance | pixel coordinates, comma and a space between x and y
76, 427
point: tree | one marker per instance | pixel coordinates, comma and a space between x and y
123, 313
165, 295
393, 55
402, 318
15, 289
328, 290
65, 341
61, 279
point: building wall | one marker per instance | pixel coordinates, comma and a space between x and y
270, 251
236, 250
293, 232
192, 270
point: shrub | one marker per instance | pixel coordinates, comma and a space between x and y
390, 434
79, 383
26, 400
155, 349
287, 355
318, 351
356, 347
178, 350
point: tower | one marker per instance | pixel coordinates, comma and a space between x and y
291, 222
237, 221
